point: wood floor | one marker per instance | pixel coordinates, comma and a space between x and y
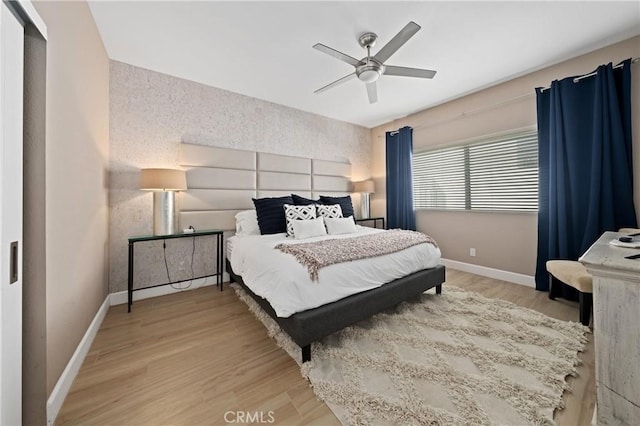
189, 358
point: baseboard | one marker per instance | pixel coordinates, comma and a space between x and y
120, 297
60, 391
512, 277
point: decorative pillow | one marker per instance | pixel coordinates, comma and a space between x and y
345, 203
340, 225
301, 201
296, 213
309, 228
329, 211
270, 212
247, 223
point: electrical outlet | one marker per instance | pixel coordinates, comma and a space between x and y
472, 252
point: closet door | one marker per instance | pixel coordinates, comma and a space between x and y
11, 128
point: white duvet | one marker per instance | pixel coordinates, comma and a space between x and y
285, 283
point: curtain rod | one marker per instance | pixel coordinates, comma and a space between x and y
591, 74
508, 101
467, 113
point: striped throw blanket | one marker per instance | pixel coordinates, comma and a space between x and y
318, 254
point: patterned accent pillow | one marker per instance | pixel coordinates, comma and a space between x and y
345, 203
293, 213
331, 211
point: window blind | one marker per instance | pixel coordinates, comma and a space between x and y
493, 174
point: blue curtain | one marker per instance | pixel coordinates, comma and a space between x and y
400, 212
585, 164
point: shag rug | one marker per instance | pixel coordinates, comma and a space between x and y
457, 358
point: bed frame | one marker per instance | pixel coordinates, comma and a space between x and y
313, 324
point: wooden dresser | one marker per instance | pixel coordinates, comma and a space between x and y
616, 310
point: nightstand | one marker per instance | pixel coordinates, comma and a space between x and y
375, 221
219, 260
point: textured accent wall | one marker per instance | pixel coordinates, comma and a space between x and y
151, 113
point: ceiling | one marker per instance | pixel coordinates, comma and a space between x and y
263, 49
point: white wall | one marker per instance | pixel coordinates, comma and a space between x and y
77, 151
151, 113
505, 241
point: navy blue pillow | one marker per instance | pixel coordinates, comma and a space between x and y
345, 204
270, 212
301, 201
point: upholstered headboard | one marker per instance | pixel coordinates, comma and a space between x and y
222, 181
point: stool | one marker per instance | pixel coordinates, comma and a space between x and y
575, 275
629, 230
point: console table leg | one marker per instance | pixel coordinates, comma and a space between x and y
219, 261
130, 279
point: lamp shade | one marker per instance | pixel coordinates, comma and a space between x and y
163, 180
365, 186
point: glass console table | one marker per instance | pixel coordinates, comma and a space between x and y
375, 221
219, 258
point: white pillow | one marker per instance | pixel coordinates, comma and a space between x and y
308, 228
340, 225
247, 223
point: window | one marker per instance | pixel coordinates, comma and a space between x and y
492, 174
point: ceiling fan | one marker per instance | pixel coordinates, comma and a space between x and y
370, 68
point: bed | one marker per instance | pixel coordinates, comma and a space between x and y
309, 311
222, 183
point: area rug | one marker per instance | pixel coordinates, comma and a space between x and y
452, 359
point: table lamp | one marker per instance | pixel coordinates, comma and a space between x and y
365, 188
164, 183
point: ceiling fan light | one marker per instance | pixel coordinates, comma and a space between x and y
369, 76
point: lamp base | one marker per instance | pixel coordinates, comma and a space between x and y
164, 218
365, 207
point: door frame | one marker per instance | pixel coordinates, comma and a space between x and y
11, 398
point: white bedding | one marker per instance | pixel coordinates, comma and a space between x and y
285, 283
229, 244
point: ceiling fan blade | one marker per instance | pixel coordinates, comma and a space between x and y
339, 55
372, 91
335, 83
408, 72
396, 42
